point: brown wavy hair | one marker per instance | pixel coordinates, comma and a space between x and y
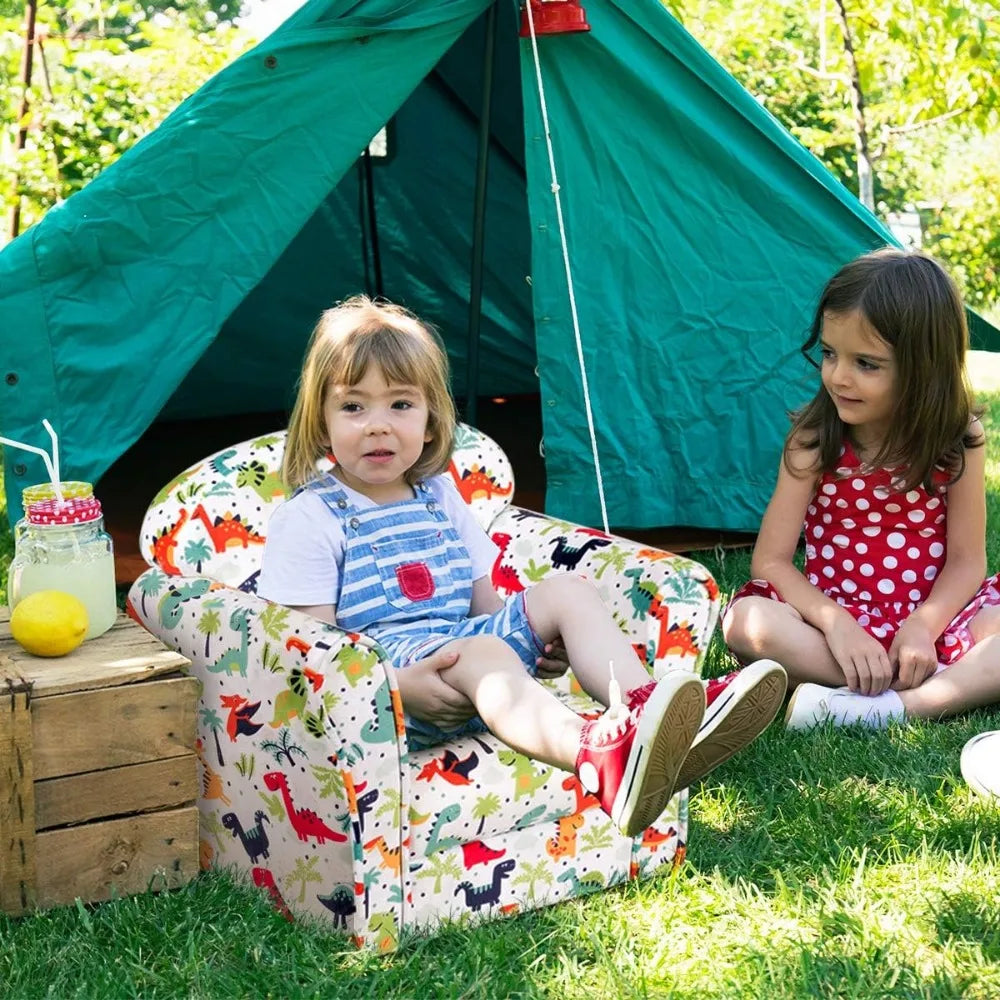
915, 307
347, 341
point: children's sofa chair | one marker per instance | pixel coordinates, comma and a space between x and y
308, 783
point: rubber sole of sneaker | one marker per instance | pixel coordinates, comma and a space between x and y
980, 763
747, 712
668, 725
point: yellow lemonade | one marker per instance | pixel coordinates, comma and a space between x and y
92, 580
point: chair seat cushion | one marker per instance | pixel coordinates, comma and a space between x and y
475, 787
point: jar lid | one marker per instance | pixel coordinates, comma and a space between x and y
74, 510
71, 490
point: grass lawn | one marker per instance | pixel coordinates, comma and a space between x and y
840, 864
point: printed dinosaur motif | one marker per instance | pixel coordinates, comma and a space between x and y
392, 857
435, 842
358, 805
641, 593
526, 779
162, 549
584, 800
290, 702
450, 768
211, 782
566, 556
505, 577
228, 531
563, 844
476, 483
652, 838
239, 721
263, 879
340, 902
478, 896
586, 883
305, 822
234, 660
383, 728
170, 606
383, 926
265, 482
254, 840
220, 463
676, 639
355, 663
475, 852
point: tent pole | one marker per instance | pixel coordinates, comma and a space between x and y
372, 222
30, 11
479, 219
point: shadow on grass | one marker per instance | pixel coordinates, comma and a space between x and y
800, 804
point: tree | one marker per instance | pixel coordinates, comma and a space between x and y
103, 75
924, 90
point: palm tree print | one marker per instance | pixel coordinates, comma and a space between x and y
303, 873
150, 583
486, 805
440, 866
596, 837
370, 877
210, 720
210, 824
197, 551
283, 747
389, 805
613, 557
268, 441
532, 873
208, 625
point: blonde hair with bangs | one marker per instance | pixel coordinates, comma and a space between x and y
347, 341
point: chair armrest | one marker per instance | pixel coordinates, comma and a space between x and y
667, 603
285, 692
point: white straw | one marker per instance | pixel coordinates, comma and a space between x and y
56, 479
53, 475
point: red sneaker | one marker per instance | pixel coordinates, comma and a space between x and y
629, 758
739, 707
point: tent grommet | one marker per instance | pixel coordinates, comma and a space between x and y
270, 62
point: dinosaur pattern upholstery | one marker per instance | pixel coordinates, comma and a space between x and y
308, 784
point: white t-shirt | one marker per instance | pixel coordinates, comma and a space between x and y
305, 544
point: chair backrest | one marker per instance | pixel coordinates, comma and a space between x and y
211, 520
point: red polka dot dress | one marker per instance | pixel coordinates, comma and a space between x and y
877, 551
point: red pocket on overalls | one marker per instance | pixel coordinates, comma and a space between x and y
415, 581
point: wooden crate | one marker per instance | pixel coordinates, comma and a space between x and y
98, 777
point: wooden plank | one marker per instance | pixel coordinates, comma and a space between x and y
17, 801
130, 724
125, 654
138, 788
117, 857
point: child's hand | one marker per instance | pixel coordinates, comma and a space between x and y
913, 652
555, 662
866, 665
426, 696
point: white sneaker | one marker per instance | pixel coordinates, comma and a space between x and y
981, 763
812, 705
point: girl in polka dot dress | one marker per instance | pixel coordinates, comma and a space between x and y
883, 471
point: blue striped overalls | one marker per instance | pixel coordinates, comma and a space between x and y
406, 581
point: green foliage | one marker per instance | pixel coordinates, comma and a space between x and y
97, 88
932, 105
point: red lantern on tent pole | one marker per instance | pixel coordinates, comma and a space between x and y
553, 17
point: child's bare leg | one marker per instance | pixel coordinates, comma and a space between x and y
514, 706
756, 628
568, 606
972, 681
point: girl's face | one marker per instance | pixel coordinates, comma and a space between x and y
377, 431
859, 373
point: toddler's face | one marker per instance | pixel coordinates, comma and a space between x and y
377, 431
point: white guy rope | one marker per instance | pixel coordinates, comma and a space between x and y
569, 273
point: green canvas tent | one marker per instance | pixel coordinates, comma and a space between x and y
185, 279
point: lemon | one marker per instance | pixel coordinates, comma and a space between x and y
49, 623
